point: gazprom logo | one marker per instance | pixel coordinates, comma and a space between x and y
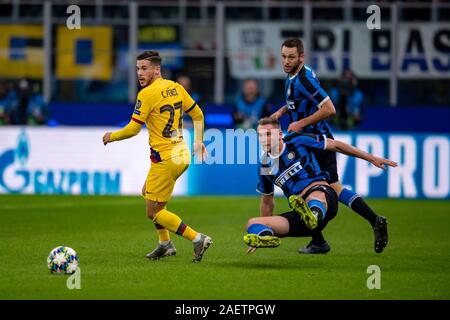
15, 177
22, 150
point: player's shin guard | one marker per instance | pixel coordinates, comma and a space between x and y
357, 204
173, 223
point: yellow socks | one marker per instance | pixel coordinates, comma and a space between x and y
163, 233
173, 223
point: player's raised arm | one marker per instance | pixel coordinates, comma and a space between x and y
341, 147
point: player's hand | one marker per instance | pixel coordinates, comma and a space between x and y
107, 138
200, 151
251, 250
295, 127
382, 162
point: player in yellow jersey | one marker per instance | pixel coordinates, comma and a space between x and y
160, 105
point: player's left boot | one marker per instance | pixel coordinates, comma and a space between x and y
200, 247
311, 248
299, 205
381, 234
162, 250
256, 241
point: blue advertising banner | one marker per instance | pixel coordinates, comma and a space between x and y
76, 162
422, 172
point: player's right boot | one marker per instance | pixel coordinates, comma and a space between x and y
381, 235
299, 205
162, 250
200, 247
256, 241
311, 248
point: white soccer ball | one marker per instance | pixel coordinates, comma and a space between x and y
62, 259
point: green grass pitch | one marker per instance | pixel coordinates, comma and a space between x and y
112, 236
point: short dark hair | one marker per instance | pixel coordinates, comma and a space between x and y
152, 56
269, 120
294, 43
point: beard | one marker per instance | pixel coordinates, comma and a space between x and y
147, 82
293, 68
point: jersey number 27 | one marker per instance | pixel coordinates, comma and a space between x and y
167, 132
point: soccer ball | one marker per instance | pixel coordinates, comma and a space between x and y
62, 260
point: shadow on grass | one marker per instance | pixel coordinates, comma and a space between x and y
265, 265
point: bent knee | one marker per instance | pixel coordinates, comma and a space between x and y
153, 208
316, 195
150, 214
251, 221
337, 187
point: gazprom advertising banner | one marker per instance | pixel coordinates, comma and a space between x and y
74, 161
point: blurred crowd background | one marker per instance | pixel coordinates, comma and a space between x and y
52, 75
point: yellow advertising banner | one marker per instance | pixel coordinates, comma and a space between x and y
159, 34
84, 53
21, 51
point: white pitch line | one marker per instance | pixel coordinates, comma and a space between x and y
68, 205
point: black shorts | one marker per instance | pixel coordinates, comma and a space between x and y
298, 228
327, 163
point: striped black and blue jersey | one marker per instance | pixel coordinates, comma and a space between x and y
304, 96
294, 168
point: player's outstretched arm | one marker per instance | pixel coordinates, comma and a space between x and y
341, 147
323, 113
267, 205
130, 130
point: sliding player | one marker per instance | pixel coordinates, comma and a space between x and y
290, 164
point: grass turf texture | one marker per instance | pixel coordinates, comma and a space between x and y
112, 235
